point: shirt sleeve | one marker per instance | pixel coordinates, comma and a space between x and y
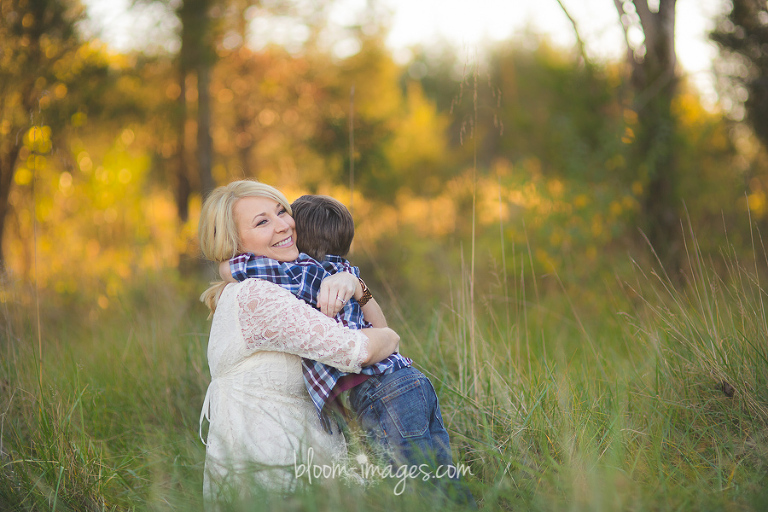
271, 318
247, 265
238, 266
334, 264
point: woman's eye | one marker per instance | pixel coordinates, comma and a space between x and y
261, 222
282, 211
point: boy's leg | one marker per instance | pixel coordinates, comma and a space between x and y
400, 411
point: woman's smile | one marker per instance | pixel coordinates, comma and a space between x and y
265, 228
285, 243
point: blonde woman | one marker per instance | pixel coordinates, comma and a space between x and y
261, 419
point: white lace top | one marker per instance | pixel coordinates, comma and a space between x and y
261, 418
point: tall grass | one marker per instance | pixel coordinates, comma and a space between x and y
653, 397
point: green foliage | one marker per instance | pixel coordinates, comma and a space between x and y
560, 112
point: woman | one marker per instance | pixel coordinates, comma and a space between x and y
262, 421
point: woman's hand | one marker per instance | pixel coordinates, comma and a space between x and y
336, 290
382, 342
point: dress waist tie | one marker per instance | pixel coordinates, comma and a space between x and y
205, 412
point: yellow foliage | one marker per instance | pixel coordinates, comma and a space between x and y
38, 139
428, 217
555, 188
78, 119
581, 200
60, 90
491, 208
419, 135
688, 110
630, 116
93, 229
629, 135
756, 203
23, 176
616, 208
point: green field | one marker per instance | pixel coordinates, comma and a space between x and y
631, 395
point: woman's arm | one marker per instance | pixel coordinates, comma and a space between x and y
271, 318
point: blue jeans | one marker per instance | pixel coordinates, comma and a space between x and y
401, 413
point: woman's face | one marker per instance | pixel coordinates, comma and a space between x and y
265, 228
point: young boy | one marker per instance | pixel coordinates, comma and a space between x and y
395, 403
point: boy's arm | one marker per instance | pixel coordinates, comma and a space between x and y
226, 273
301, 277
373, 314
371, 310
245, 266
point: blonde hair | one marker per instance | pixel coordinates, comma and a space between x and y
217, 231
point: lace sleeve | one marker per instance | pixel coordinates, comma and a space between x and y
273, 319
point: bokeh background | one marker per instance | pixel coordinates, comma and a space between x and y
443, 146
559, 205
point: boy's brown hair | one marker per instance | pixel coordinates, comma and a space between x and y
323, 226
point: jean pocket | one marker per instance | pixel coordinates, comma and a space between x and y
407, 407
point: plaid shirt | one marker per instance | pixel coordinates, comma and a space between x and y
302, 278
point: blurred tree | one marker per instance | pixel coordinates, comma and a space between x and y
533, 103
41, 65
195, 60
398, 132
557, 111
210, 29
654, 84
377, 100
743, 33
266, 107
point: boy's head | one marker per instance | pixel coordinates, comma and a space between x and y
323, 226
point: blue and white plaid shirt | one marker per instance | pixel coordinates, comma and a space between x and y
302, 277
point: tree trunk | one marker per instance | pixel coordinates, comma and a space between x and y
7, 168
182, 186
654, 82
196, 55
204, 144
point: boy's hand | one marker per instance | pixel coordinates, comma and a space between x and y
225, 273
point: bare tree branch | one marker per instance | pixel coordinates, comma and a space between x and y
625, 27
646, 18
579, 40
